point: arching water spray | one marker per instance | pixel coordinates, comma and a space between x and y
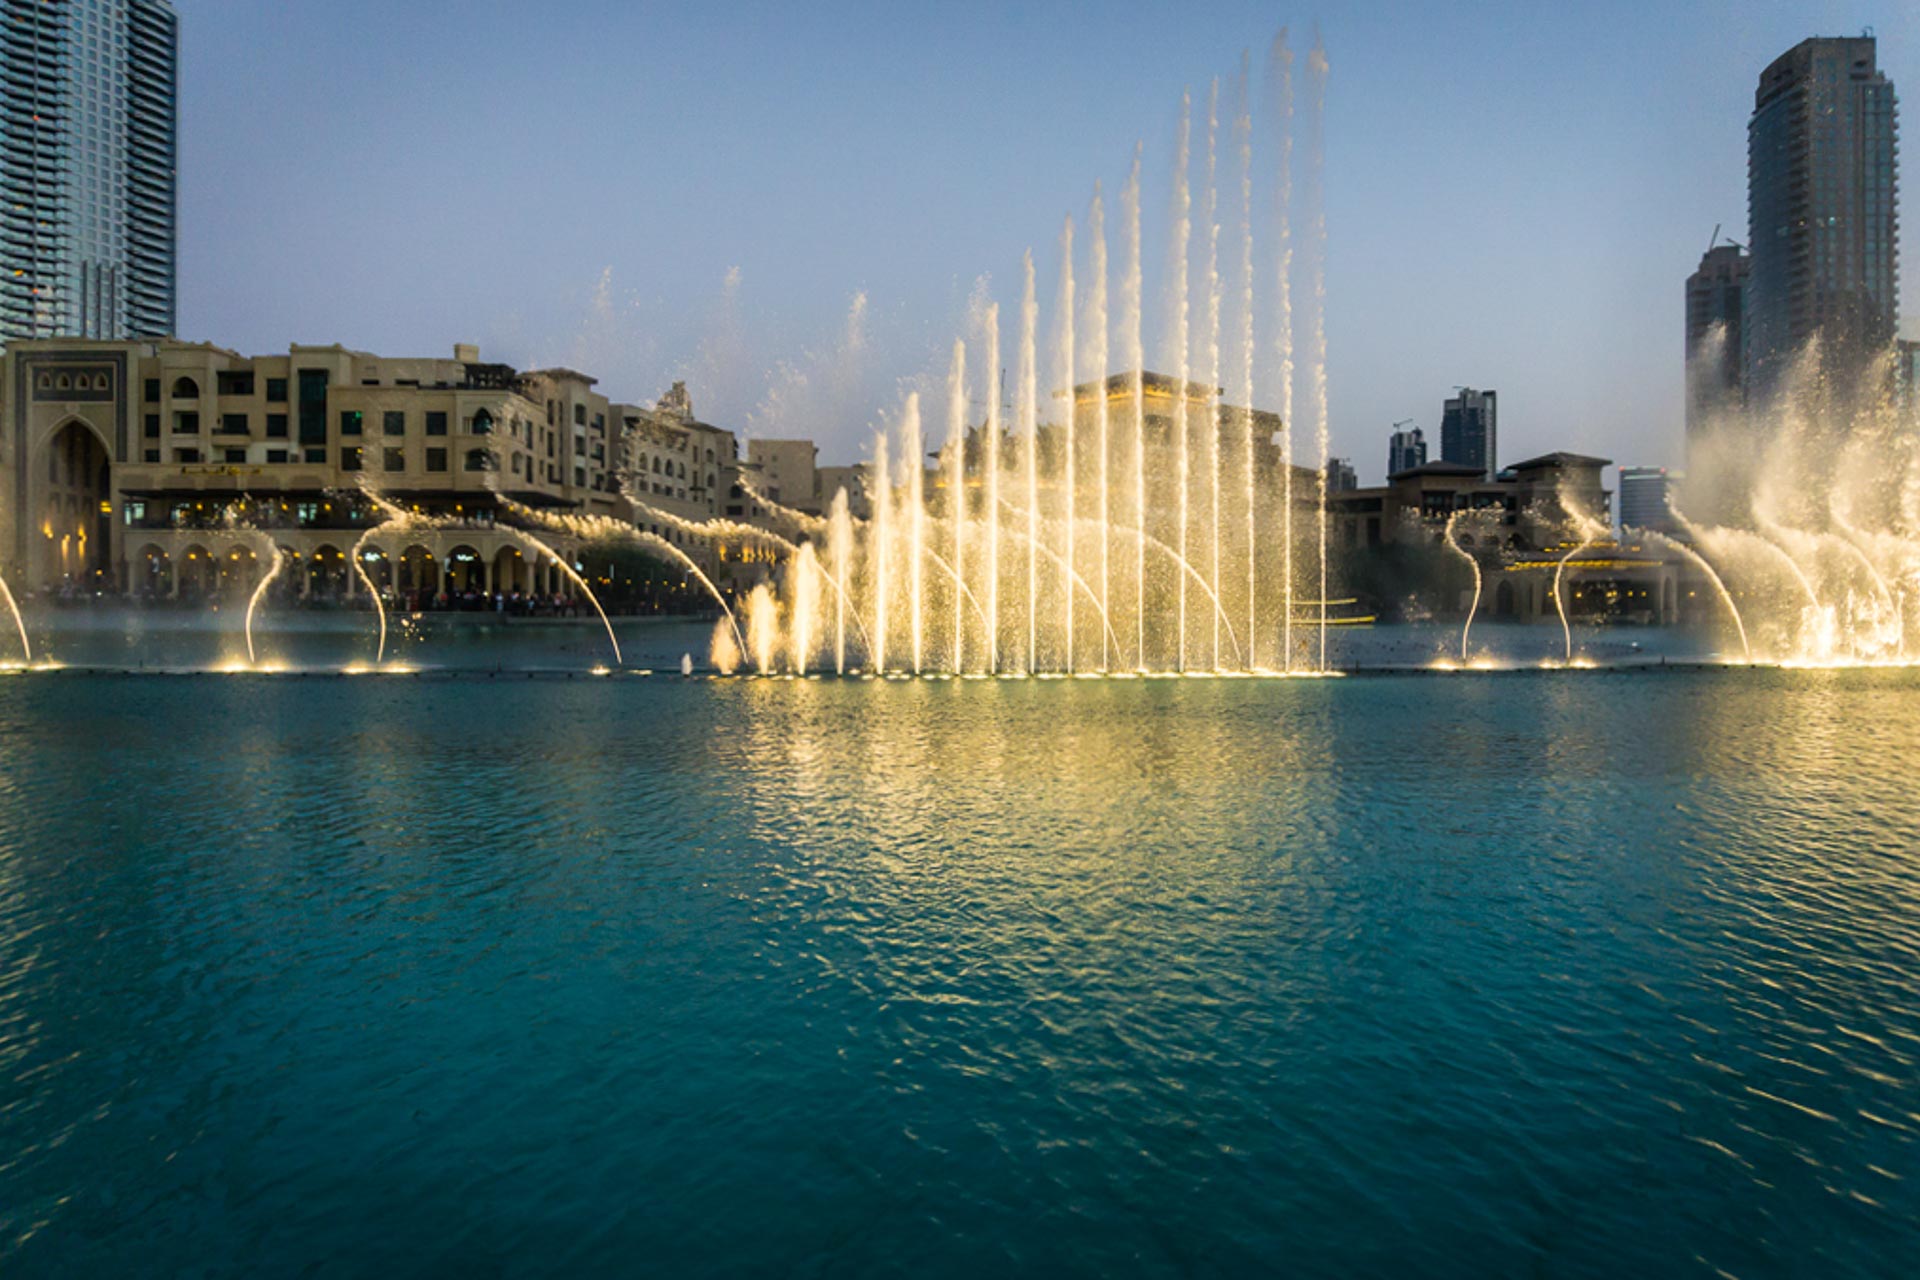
19, 624
573, 577
1720, 588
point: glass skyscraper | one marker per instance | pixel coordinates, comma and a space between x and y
88, 128
1821, 199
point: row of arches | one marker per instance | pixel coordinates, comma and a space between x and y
418, 574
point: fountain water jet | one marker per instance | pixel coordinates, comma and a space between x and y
1473, 564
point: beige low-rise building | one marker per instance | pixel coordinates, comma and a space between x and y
162, 467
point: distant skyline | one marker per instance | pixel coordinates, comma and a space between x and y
1515, 195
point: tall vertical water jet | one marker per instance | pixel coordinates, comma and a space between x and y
915, 450
1317, 264
1097, 305
1280, 69
1136, 368
763, 627
806, 605
957, 495
877, 552
1212, 420
840, 543
991, 464
1030, 436
1243, 132
1177, 266
1070, 464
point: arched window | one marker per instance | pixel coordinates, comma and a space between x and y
683, 471
482, 460
43, 381
99, 382
482, 423
65, 383
185, 389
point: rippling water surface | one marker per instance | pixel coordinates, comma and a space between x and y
1591, 974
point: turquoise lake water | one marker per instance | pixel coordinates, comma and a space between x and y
1570, 974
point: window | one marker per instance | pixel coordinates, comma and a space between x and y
233, 424
185, 422
313, 410
580, 475
482, 460
276, 426
233, 455
186, 455
351, 422
276, 455
436, 459
150, 427
350, 458
482, 422
394, 422
151, 455
436, 423
135, 511
150, 390
237, 382
579, 446
316, 455
579, 415
186, 389
394, 460
277, 390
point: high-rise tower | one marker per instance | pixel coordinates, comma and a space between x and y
88, 138
1822, 221
1469, 430
1716, 313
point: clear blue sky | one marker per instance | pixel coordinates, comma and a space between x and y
1515, 191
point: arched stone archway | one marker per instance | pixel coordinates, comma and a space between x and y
238, 570
76, 511
198, 573
419, 574
510, 570
378, 566
1504, 604
466, 571
326, 573
152, 572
